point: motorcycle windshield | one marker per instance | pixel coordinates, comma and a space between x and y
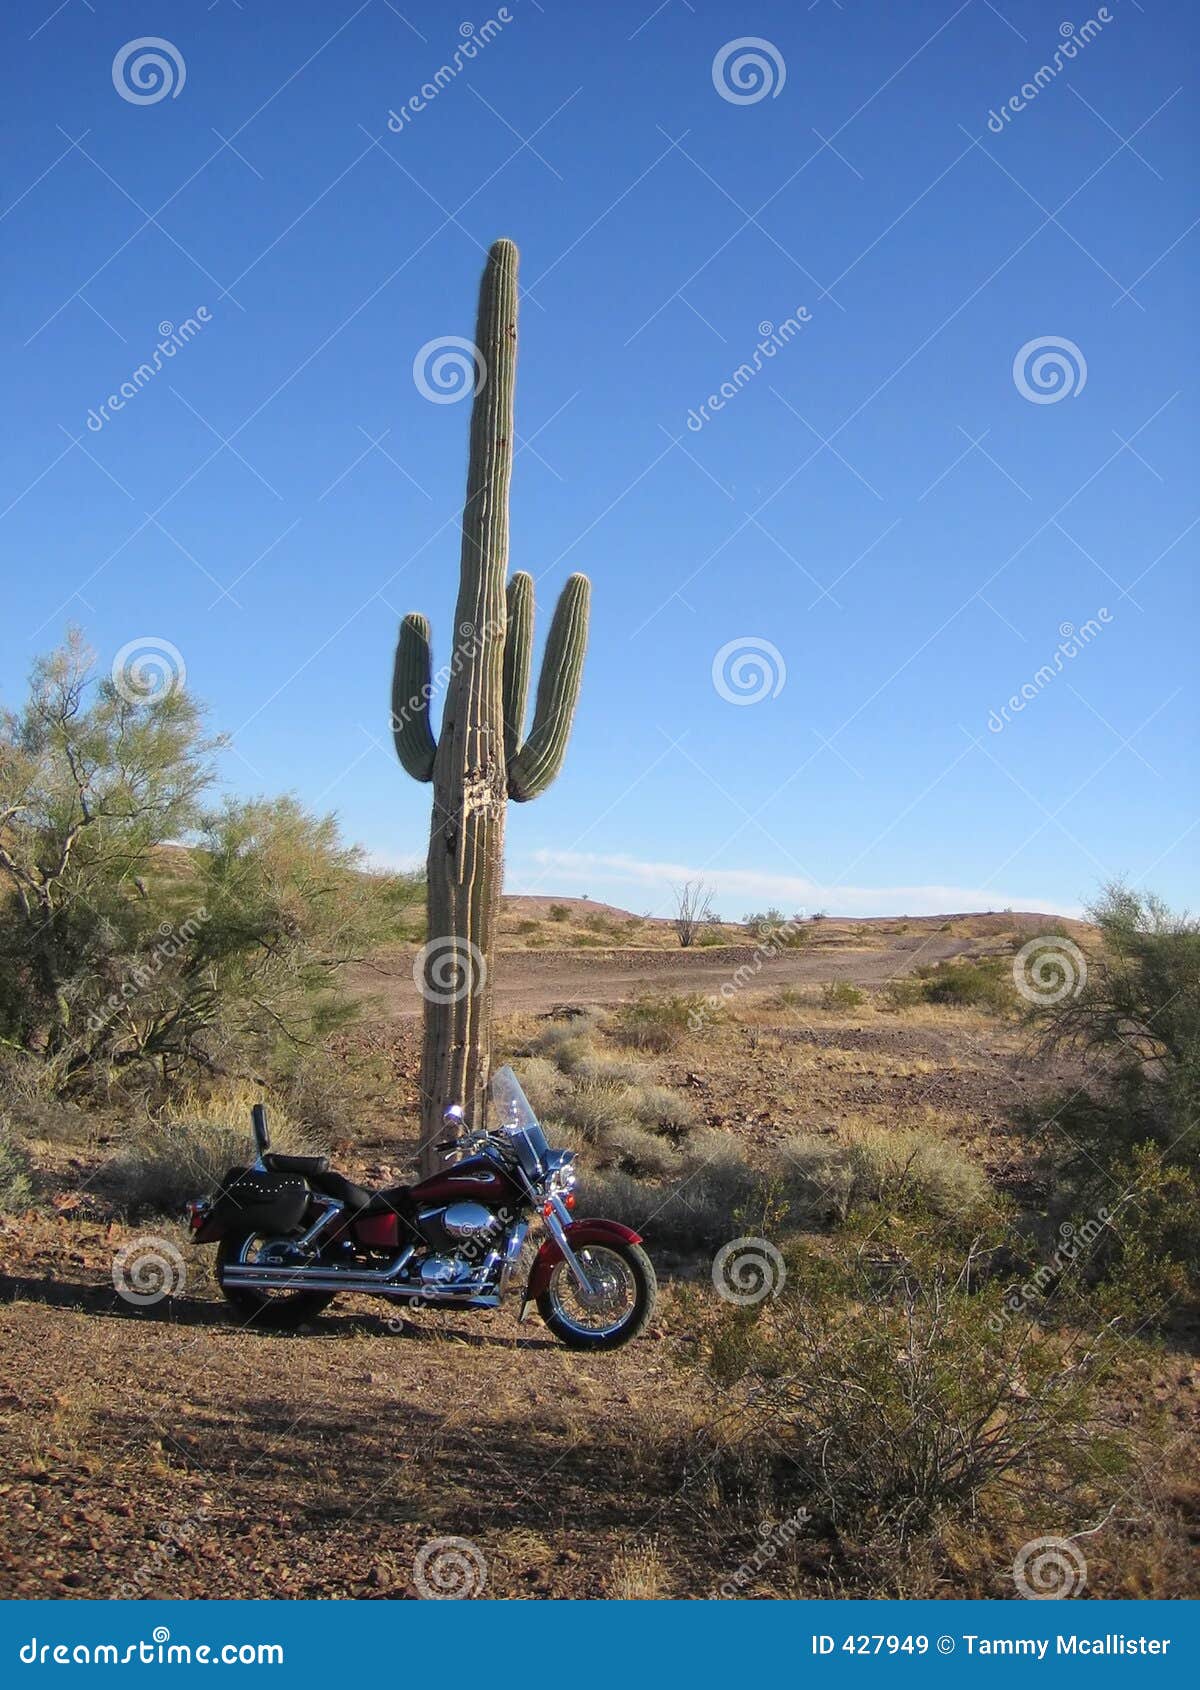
513, 1114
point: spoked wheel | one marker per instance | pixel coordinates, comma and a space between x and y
617, 1307
267, 1308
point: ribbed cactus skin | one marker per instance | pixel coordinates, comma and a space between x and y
415, 744
539, 760
518, 660
479, 759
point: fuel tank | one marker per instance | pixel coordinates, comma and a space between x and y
475, 1179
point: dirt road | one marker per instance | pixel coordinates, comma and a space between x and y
531, 982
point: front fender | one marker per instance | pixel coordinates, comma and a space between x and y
578, 1233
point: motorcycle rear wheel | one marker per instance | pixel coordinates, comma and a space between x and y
281, 1309
627, 1275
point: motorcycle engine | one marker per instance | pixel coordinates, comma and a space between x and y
457, 1226
444, 1270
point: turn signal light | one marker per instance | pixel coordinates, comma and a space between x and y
569, 1199
547, 1208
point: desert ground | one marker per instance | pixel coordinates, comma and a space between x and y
170, 1451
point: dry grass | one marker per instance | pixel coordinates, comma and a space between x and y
640, 1575
163, 1162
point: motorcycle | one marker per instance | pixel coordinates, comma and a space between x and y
291, 1233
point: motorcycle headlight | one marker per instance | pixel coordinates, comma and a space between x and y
561, 1178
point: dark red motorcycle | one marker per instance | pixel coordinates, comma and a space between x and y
291, 1233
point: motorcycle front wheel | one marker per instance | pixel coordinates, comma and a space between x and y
617, 1308
266, 1308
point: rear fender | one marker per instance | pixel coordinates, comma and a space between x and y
210, 1225
577, 1234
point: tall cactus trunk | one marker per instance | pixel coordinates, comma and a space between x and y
481, 758
466, 841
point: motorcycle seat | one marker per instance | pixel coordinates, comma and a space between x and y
306, 1165
357, 1198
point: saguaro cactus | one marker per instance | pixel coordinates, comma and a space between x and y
481, 758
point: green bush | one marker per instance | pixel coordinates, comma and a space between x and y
983, 984
124, 953
980, 983
901, 1171
16, 1186
892, 1402
840, 994
558, 912
1129, 1140
657, 1023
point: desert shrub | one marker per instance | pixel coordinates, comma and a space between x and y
773, 927
543, 1083
164, 1162
903, 992
567, 1049
710, 938
840, 994
816, 1183
824, 1180
892, 1401
601, 1068
696, 1212
792, 997
657, 1023
325, 1095
1130, 1137
523, 928
16, 1186
597, 922
758, 919
662, 1109
634, 1150
985, 983
558, 912
32, 1106
567, 1042
596, 1112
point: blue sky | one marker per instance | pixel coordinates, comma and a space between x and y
880, 502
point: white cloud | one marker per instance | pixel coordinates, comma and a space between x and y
737, 890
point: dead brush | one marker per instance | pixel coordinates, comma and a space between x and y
163, 1162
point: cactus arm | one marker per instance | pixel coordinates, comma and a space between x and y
541, 757
518, 660
411, 689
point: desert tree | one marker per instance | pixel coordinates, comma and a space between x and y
137, 926
693, 910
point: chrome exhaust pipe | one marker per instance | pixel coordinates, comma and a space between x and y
366, 1282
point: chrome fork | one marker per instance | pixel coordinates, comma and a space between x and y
557, 1230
